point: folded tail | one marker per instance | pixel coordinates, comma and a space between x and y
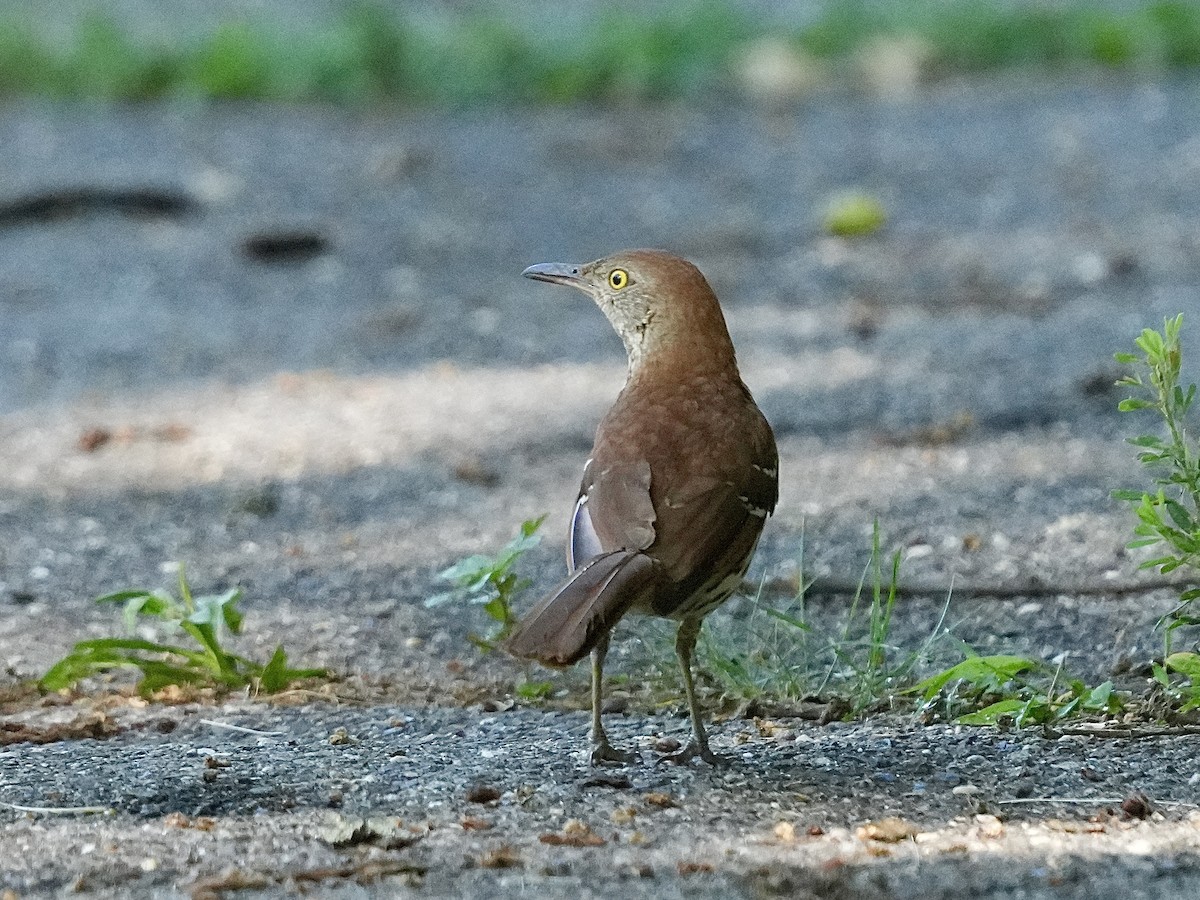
565, 626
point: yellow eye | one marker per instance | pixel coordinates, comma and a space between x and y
617, 279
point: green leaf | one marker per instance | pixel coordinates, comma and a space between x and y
986, 671
439, 599
535, 690
100, 645
1145, 440
468, 570
1144, 542
1150, 341
121, 596
991, 715
1099, 697
1160, 675
133, 608
1040, 709
206, 636
487, 646
1129, 496
1185, 664
1129, 404
498, 610
788, 620
72, 668
1161, 561
491, 581
218, 609
274, 676
529, 526
156, 603
92, 657
1179, 515
157, 675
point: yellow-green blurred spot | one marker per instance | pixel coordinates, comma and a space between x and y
854, 215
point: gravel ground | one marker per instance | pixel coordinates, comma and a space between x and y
449, 802
329, 422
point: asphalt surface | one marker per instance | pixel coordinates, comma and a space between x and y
291, 349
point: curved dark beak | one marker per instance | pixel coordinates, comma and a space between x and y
555, 273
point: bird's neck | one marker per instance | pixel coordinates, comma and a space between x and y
687, 339
683, 356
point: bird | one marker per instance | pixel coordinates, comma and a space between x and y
682, 476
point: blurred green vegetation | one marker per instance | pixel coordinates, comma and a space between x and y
370, 54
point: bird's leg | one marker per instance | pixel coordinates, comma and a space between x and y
602, 750
685, 645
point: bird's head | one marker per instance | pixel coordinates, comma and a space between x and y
659, 304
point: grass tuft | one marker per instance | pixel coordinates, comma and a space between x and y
776, 654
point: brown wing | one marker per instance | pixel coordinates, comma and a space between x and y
614, 511
708, 527
697, 525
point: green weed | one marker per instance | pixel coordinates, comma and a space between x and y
207, 620
1169, 518
491, 582
1016, 690
535, 690
978, 35
368, 52
1186, 692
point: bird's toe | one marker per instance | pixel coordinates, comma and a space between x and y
695, 751
605, 753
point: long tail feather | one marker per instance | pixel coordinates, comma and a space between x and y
565, 626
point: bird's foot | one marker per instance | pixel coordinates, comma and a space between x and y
695, 750
604, 752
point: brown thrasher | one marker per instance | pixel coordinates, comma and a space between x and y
683, 474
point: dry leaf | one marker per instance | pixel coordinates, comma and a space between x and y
574, 834
1137, 806
891, 830
989, 826
350, 831
482, 793
504, 857
92, 725
767, 728
340, 736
